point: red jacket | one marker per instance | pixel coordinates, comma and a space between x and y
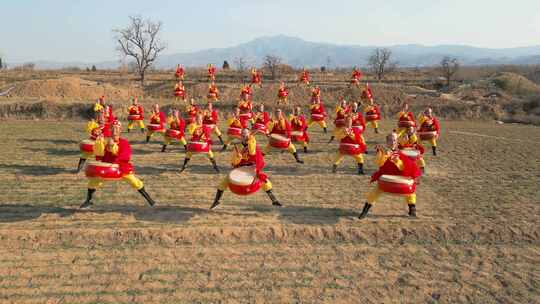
201, 134
138, 110
318, 110
211, 119
262, 118
433, 126
354, 136
410, 169
358, 120
282, 129
298, 123
159, 119
122, 158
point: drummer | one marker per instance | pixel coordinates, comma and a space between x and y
200, 133
179, 74
318, 114
179, 91
213, 92
256, 77
211, 72
392, 162
356, 75
348, 137
429, 123
156, 118
358, 122
176, 123
191, 112
261, 119
211, 119
280, 125
234, 123
405, 119
248, 155
298, 124
315, 94
283, 94
373, 110
99, 106
115, 150
409, 140
246, 93
304, 77
342, 110
246, 109
136, 109
94, 128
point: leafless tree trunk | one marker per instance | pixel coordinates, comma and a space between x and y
240, 63
140, 40
272, 63
379, 63
449, 67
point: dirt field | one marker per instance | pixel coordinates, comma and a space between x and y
477, 238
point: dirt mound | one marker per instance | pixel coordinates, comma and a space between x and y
70, 88
514, 83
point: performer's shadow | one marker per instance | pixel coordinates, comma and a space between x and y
55, 151
306, 215
51, 141
35, 170
10, 213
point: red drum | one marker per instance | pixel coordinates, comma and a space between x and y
339, 123
134, 117
297, 136
359, 128
427, 135
154, 127
279, 141
317, 117
234, 132
259, 127
103, 170
179, 93
244, 181
212, 95
173, 133
198, 147
373, 117
350, 149
246, 115
405, 123
412, 154
87, 146
354, 81
397, 184
283, 94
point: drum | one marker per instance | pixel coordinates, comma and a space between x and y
103, 170
134, 117
283, 94
359, 128
173, 133
279, 141
339, 123
317, 117
405, 123
297, 136
412, 154
209, 126
87, 146
154, 127
244, 181
259, 127
212, 95
350, 149
179, 93
397, 184
373, 116
198, 147
427, 135
245, 116
234, 132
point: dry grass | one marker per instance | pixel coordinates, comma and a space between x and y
476, 239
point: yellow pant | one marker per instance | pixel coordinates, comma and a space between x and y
168, 140
321, 123
132, 122
340, 156
337, 131
432, 142
217, 131
210, 154
376, 193
420, 162
224, 185
86, 155
374, 124
149, 133
304, 143
291, 149
96, 182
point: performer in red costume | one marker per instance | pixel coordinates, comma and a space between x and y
211, 72
299, 125
179, 74
304, 77
256, 77
351, 144
429, 124
179, 91
135, 115
355, 77
157, 122
283, 94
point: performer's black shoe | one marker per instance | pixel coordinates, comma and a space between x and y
88, 202
186, 161
219, 194
128, 130
214, 164
142, 130
365, 211
185, 148
331, 139
434, 149
147, 197
376, 131
361, 169
147, 138
325, 130
334, 168
412, 210
298, 160
273, 198
224, 148
81, 164
305, 150
221, 140
163, 148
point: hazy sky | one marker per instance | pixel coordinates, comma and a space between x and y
78, 30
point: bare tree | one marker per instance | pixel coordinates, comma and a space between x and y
272, 62
449, 67
240, 63
140, 40
380, 64
1, 63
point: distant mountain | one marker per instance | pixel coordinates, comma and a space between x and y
301, 53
